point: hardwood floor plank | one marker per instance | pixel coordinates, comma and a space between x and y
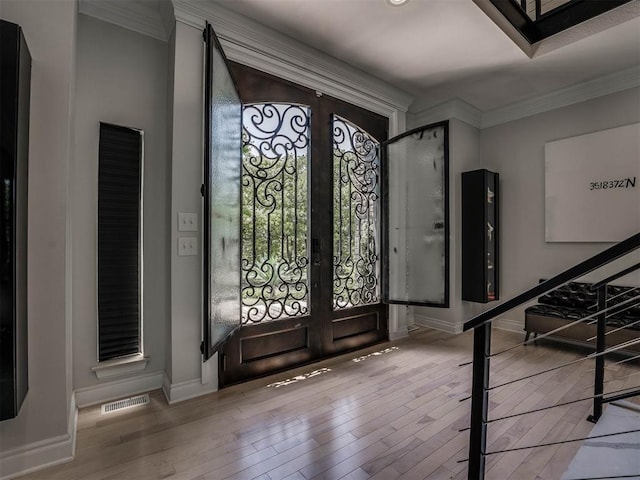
362, 453
388, 412
295, 465
429, 466
388, 473
264, 466
294, 476
379, 463
327, 466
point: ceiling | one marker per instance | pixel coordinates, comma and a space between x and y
438, 50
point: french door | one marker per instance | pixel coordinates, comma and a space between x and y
313, 221
311, 228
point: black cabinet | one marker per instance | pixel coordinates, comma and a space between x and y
480, 236
15, 80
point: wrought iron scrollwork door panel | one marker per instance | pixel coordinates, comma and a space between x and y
276, 154
356, 316
356, 236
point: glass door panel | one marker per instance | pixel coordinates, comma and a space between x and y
417, 217
275, 211
356, 174
221, 219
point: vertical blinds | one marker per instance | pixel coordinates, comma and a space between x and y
119, 212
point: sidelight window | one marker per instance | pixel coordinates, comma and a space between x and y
119, 241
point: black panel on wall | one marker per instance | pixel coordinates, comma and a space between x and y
15, 82
480, 236
119, 240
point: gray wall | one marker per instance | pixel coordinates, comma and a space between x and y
516, 151
187, 375
121, 79
50, 32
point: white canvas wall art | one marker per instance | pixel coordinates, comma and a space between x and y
592, 186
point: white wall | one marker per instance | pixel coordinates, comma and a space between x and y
516, 151
45, 420
121, 79
185, 377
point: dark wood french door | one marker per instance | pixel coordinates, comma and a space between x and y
313, 221
311, 236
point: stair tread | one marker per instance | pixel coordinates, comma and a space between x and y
617, 455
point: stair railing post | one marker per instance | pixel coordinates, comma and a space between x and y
479, 401
598, 382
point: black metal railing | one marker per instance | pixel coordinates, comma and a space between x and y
537, 8
549, 17
606, 307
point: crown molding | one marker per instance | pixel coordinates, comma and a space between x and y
141, 17
167, 16
257, 46
606, 85
260, 47
189, 14
253, 44
455, 108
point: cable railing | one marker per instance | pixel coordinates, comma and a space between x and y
609, 306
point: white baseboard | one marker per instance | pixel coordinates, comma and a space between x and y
108, 391
178, 392
42, 454
437, 324
399, 333
509, 324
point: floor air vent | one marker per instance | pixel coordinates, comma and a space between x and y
125, 403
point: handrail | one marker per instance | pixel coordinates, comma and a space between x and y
582, 268
481, 325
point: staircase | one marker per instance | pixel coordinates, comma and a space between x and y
617, 428
609, 454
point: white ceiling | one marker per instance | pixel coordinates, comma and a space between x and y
437, 50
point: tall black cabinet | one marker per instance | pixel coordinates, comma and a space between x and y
15, 80
480, 236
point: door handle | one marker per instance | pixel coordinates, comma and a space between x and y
316, 246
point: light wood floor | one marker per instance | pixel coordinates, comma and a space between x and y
386, 415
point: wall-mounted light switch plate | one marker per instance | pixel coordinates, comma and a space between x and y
187, 246
187, 222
